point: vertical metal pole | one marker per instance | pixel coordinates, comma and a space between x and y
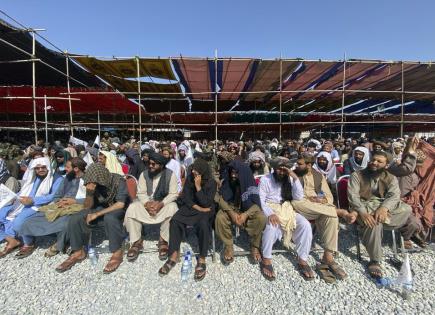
215, 98
46, 120
280, 97
139, 99
342, 97
99, 127
69, 94
34, 85
134, 128
403, 101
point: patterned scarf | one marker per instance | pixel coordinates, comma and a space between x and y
97, 173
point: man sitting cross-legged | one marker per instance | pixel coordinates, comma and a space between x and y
277, 190
157, 193
375, 195
239, 203
317, 205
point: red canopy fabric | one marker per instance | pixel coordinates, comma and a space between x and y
88, 103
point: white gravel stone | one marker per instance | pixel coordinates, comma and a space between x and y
32, 286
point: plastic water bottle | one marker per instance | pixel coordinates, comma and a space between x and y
384, 282
185, 270
321, 194
189, 259
93, 256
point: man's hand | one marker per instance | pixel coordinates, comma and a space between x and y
368, 220
197, 180
411, 145
91, 217
91, 186
290, 173
65, 202
241, 219
27, 201
274, 220
201, 209
233, 216
381, 214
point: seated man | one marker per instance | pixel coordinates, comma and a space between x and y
5, 176
38, 190
156, 192
374, 195
53, 218
106, 200
318, 205
277, 190
324, 165
358, 161
257, 163
196, 208
239, 203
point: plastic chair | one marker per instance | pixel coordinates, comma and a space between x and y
343, 203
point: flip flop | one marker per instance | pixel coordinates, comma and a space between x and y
325, 273
338, 272
268, 268
374, 269
200, 271
304, 270
228, 251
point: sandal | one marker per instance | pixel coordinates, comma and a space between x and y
164, 270
51, 251
325, 273
133, 252
113, 264
228, 252
269, 268
71, 261
374, 269
25, 251
255, 256
200, 271
338, 272
306, 272
163, 249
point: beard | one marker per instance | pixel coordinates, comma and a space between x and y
358, 161
301, 173
70, 176
256, 167
375, 173
279, 178
152, 174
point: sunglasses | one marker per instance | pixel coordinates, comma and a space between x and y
40, 167
153, 164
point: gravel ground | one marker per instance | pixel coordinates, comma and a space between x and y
32, 286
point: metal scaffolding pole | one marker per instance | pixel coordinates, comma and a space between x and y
99, 126
46, 119
69, 95
35, 127
280, 97
402, 105
215, 98
342, 97
139, 99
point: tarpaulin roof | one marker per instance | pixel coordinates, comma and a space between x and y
87, 103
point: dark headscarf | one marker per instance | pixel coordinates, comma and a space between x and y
203, 168
158, 158
97, 173
248, 188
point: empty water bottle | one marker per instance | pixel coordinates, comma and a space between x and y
93, 256
185, 270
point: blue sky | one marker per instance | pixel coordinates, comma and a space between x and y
391, 30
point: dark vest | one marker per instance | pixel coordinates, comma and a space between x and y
317, 180
162, 188
365, 190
